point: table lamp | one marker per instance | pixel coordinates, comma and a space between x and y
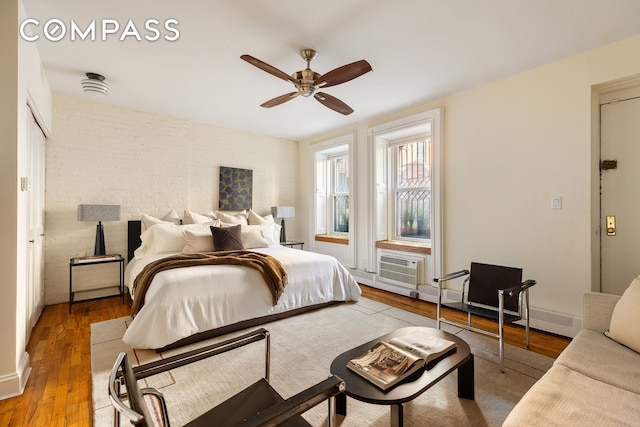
283, 212
99, 213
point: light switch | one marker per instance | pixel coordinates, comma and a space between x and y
556, 202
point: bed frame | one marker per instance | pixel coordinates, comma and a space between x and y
134, 228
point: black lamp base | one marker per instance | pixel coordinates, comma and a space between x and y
99, 246
283, 233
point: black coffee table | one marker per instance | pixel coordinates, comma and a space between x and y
361, 389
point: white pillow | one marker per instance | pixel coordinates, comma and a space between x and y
195, 218
147, 221
235, 218
269, 230
198, 241
172, 216
625, 320
253, 239
255, 219
161, 238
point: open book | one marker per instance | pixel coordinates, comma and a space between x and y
390, 362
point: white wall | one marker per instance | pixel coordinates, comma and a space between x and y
19, 76
145, 162
509, 147
8, 187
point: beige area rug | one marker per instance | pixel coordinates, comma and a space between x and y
302, 349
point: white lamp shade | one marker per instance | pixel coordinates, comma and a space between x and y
98, 212
283, 211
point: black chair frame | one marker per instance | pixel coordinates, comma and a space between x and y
264, 405
512, 305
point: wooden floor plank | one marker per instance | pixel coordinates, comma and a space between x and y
540, 342
58, 392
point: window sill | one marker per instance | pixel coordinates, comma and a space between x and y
404, 246
332, 239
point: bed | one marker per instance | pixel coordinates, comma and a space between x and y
189, 304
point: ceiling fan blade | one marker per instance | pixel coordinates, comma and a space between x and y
268, 68
334, 103
279, 100
343, 74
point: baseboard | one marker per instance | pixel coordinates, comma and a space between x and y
13, 384
556, 323
543, 320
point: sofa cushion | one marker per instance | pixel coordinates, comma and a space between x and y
563, 397
625, 320
591, 353
597, 309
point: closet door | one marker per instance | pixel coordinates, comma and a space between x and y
35, 186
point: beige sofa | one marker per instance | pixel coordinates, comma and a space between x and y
594, 382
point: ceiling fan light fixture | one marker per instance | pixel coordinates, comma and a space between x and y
94, 85
306, 90
307, 81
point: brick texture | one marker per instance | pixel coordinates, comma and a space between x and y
147, 163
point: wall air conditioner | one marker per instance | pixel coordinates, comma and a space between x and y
400, 270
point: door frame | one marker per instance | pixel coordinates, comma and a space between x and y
600, 93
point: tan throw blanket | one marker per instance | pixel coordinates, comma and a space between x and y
271, 269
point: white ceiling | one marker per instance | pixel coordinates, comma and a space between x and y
419, 50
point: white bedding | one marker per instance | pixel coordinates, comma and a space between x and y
184, 301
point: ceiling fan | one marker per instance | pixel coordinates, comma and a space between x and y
308, 82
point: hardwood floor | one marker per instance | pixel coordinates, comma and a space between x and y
58, 392
540, 342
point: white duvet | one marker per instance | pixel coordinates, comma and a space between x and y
184, 301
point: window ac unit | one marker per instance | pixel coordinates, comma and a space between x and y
400, 270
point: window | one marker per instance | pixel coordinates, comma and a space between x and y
339, 207
333, 206
405, 176
410, 188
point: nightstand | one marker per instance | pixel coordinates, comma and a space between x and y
292, 243
106, 291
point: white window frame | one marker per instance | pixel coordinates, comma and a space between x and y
333, 193
393, 186
378, 138
319, 222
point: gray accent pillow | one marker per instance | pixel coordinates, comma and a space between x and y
227, 238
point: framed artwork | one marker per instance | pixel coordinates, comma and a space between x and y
235, 189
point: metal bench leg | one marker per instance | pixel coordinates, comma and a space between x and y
438, 323
526, 314
501, 327
331, 419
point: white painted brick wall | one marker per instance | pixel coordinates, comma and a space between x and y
145, 162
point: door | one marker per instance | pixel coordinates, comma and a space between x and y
34, 186
620, 191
